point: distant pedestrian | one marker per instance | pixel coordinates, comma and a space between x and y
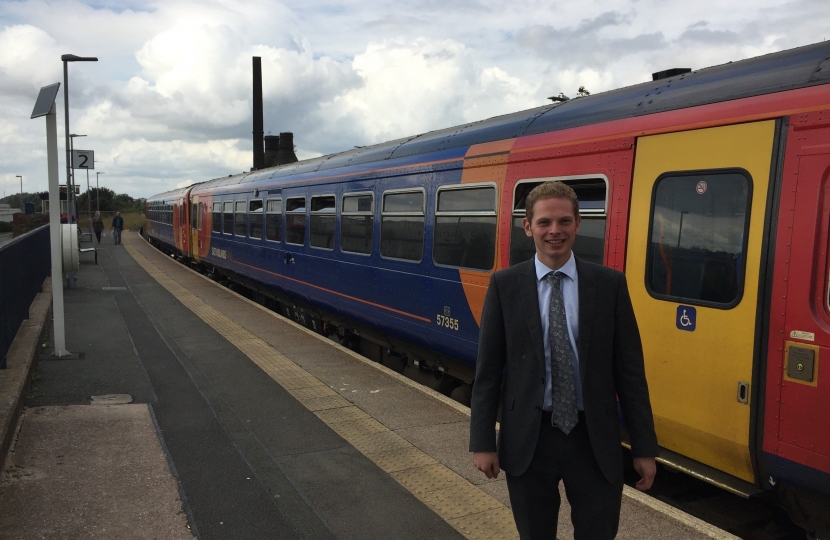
117, 227
98, 225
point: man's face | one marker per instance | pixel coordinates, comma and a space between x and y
553, 230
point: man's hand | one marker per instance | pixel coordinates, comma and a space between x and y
488, 463
646, 467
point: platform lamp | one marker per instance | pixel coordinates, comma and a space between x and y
66, 58
97, 192
72, 171
22, 207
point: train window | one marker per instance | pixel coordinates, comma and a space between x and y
357, 221
273, 216
216, 218
255, 217
592, 193
295, 220
227, 221
194, 211
698, 229
402, 225
321, 234
465, 227
239, 219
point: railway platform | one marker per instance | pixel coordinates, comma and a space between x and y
187, 410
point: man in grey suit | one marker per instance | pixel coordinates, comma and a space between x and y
559, 345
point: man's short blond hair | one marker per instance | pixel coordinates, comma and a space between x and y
550, 190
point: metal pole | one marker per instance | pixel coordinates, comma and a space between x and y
97, 193
88, 205
70, 188
67, 146
55, 233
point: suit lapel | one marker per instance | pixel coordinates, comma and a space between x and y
530, 302
587, 307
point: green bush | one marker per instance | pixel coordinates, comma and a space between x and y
6, 226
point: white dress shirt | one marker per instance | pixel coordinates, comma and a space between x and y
570, 295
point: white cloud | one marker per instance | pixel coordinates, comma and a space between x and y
21, 70
411, 88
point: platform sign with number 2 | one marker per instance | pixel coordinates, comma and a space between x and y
83, 159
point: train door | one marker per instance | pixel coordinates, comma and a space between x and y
693, 262
798, 396
182, 240
204, 218
195, 226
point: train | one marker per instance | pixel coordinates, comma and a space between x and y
708, 188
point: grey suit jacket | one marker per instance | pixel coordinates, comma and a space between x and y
510, 369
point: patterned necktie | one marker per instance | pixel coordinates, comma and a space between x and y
563, 412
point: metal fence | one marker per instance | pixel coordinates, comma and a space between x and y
24, 264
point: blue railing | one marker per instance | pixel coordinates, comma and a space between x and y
24, 264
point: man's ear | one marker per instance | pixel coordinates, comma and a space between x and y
526, 225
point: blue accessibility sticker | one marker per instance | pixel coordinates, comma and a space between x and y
686, 318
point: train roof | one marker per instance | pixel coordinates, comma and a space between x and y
172, 194
775, 72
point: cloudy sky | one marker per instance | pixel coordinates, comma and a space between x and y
169, 101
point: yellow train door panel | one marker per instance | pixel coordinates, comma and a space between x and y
693, 258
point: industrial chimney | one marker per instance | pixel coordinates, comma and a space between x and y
285, 153
259, 153
272, 143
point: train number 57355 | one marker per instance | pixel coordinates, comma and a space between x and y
447, 322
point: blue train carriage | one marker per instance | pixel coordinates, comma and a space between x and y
384, 248
167, 217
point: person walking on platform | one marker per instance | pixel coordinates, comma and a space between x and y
97, 225
558, 345
117, 227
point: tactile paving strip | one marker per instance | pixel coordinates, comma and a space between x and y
473, 513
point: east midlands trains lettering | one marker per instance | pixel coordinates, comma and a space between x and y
720, 225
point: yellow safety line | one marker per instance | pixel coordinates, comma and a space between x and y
473, 513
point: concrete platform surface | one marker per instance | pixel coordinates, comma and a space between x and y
90, 471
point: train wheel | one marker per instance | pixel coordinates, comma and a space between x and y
463, 394
447, 384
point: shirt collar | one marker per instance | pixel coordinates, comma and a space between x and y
569, 268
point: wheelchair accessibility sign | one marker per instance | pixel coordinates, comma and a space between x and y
686, 318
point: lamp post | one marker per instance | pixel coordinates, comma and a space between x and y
71, 189
66, 58
22, 208
97, 193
